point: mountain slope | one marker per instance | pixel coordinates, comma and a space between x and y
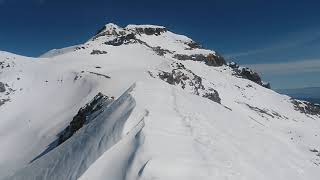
204, 118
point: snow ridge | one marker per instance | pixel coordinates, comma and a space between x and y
71, 159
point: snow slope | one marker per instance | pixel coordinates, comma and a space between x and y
201, 120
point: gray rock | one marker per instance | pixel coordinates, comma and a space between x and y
150, 31
97, 52
306, 107
248, 73
214, 96
210, 59
125, 39
160, 51
2, 87
183, 77
193, 45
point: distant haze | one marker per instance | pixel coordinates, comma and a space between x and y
311, 94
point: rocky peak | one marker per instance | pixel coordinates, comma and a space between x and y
113, 30
110, 29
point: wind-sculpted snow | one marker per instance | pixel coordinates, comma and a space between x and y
118, 161
71, 159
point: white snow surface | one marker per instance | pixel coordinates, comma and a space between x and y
255, 133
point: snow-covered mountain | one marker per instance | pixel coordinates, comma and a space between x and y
142, 102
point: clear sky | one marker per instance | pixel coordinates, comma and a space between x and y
281, 39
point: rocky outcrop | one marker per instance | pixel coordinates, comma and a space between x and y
84, 115
97, 52
2, 87
251, 75
182, 77
99, 74
161, 52
150, 30
213, 96
186, 79
131, 38
247, 73
2, 101
210, 59
266, 85
306, 107
193, 45
124, 39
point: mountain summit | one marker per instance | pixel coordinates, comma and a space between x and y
142, 102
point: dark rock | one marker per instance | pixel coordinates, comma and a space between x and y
306, 107
150, 30
84, 115
99, 74
98, 52
80, 47
125, 39
131, 38
251, 75
248, 73
2, 87
214, 96
2, 101
266, 85
261, 111
314, 150
210, 59
178, 77
215, 60
160, 51
184, 77
193, 45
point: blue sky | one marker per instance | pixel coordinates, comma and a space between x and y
279, 39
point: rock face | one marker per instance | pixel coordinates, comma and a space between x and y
193, 45
2, 101
214, 96
150, 30
182, 77
146, 29
161, 52
306, 107
210, 59
109, 30
251, 75
123, 39
97, 52
186, 79
248, 73
2, 87
84, 115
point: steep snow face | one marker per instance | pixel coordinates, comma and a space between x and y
202, 118
72, 158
